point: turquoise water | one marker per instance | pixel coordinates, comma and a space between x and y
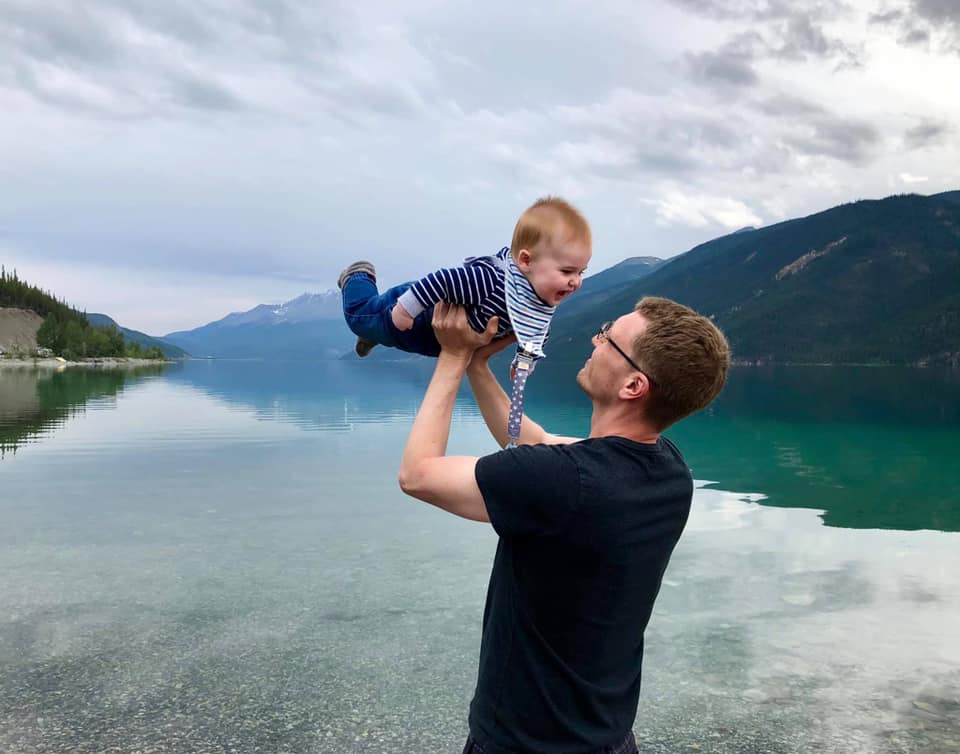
215, 557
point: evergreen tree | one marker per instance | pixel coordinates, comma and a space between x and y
65, 331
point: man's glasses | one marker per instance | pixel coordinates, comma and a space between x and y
604, 334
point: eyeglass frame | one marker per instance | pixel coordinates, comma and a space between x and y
604, 334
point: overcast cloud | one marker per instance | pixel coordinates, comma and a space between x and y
167, 163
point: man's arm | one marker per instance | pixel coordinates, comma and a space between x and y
426, 472
494, 404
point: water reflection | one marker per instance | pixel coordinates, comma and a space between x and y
322, 395
35, 402
198, 569
890, 396
871, 448
773, 617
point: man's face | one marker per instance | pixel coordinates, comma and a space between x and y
604, 372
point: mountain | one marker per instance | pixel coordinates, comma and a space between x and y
135, 336
630, 269
871, 282
309, 307
309, 326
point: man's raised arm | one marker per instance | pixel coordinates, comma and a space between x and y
426, 471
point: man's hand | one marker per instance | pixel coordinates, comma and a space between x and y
482, 355
454, 333
401, 317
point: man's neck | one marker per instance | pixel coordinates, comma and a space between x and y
610, 422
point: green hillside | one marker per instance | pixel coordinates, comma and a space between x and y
872, 282
65, 330
135, 336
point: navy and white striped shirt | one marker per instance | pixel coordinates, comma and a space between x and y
481, 287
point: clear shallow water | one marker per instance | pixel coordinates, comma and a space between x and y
217, 558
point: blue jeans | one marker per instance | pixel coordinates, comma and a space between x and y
626, 746
367, 312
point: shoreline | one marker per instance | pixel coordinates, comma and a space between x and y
112, 362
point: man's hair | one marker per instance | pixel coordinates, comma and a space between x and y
685, 355
548, 222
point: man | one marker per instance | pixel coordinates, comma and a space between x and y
586, 526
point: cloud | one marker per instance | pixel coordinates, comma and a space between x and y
937, 11
887, 17
276, 140
118, 59
631, 135
779, 105
916, 38
911, 179
844, 139
731, 64
927, 133
925, 24
800, 38
762, 10
700, 210
781, 30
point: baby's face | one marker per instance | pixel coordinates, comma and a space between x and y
557, 272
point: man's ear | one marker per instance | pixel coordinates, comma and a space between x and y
636, 387
524, 257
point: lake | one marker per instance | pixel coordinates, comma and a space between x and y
215, 557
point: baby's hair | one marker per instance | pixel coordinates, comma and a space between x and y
548, 222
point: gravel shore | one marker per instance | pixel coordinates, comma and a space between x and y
106, 363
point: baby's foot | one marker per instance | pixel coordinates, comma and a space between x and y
364, 347
360, 266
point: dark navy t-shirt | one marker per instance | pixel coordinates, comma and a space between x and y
586, 531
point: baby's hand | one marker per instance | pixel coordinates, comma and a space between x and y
401, 317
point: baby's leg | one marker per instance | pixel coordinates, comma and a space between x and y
365, 309
367, 312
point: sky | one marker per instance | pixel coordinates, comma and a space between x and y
169, 163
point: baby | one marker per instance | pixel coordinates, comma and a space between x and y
521, 285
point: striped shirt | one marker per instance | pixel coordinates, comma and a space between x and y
483, 285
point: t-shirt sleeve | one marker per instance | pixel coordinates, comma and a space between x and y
531, 490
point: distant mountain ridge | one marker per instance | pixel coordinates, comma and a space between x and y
147, 341
308, 326
312, 326
870, 282
308, 307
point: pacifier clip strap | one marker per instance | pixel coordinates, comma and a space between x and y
523, 364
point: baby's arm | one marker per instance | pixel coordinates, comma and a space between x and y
467, 286
401, 317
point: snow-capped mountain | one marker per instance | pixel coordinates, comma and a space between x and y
308, 326
308, 307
